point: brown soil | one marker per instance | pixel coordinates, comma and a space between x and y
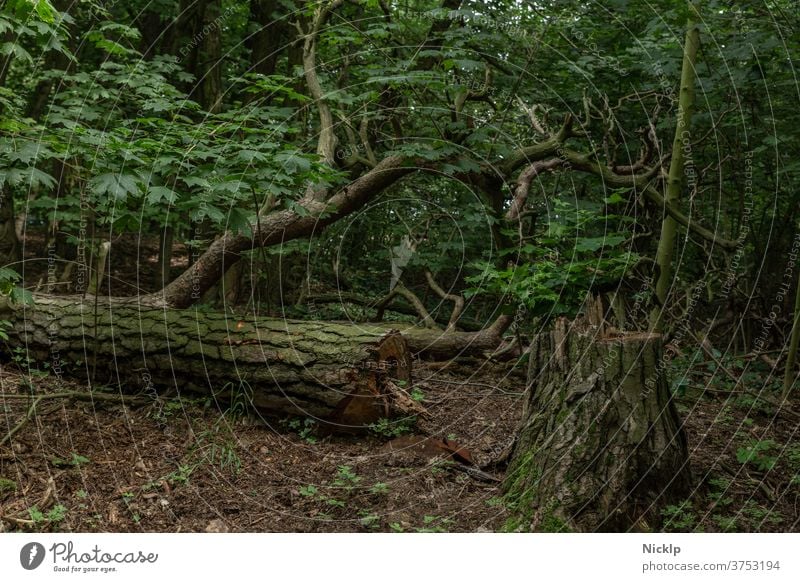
199, 466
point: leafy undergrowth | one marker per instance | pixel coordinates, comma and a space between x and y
186, 465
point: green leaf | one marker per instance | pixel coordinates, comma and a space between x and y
156, 194
118, 186
593, 244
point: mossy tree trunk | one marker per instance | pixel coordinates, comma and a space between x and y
601, 446
346, 376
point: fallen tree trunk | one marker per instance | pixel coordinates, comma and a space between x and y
342, 374
602, 447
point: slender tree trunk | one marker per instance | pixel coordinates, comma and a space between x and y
789, 375
10, 250
266, 42
165, 256
210, 66
601, 446
681, 145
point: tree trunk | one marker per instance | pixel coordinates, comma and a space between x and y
345, 376
10, 250
681, 153
266, 41
601, 448
165, 256
210, 74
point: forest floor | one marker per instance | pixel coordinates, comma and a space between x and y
187, 465
192, 464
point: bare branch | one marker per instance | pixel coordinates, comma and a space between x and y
524, 185
326, 144
458, 300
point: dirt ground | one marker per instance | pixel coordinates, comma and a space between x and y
188, 464
196, 467
192, 465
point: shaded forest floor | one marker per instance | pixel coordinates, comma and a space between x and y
190, 465
193, 464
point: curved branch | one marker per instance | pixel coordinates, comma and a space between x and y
458, 301
549, 147
641, 182
410, 296
524, 185
326, 144
277, 227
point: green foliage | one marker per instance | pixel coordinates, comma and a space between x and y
679, 518
581, 248
757, 454
75, 460
53, 517
9, 288
305, 428
7, 486
393, 428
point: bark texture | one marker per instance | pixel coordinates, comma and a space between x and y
344, 375
601, 446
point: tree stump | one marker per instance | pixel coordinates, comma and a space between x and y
601, 446
344, 375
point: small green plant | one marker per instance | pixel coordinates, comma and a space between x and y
181, 475
81, 494
53, 517
5, 327
396, 527
7, 486
346, 478
308, 491
379, 489
313, 492
434, 524
757, 454
719, 486
758, 516
679, 517
305, 428
57, 514
393, 428
75, 460
793, 458
369, 520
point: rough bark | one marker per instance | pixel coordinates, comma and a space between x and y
601, 448
341, 374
